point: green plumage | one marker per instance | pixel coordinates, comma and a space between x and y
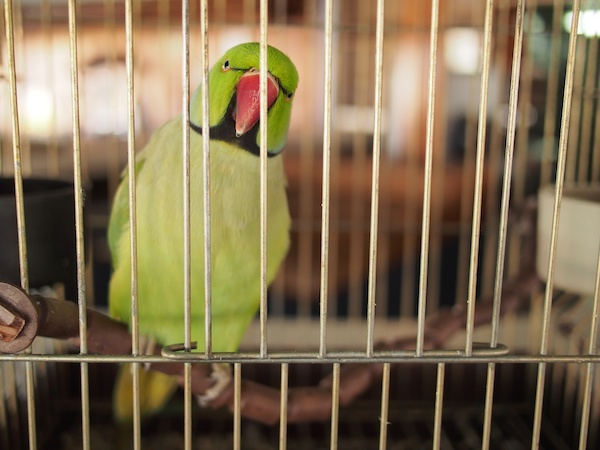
235, 209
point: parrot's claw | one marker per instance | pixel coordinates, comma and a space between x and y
221, 373
147, 347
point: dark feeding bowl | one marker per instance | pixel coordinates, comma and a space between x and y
50, 233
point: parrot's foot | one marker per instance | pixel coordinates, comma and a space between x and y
221, 373
147, 347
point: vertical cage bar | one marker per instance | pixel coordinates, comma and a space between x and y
478, 195
508, 156
481, 131
385, 406
324, 286
187, 228
524, 108
206, 181
374, 227
16, 132
560, 174
492, 213
468, 168
522, 134
237, 406
80, 246
438, 166
132, 203
505, 200
20, 206
335, 406
439, 406
423, 269
488, 407
264, 11
283, 406
590, 369
185, 101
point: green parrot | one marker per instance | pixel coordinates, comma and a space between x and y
233, 85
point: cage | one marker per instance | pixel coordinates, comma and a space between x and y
442, 286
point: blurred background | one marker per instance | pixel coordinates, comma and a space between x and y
297, 27
44, 94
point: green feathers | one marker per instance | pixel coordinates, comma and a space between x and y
235, 207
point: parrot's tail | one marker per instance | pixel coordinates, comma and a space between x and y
156, 389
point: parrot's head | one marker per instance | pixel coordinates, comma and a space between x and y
234, 100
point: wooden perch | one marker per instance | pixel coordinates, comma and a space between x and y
59, 319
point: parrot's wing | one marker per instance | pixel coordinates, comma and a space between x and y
118, 225
155, 388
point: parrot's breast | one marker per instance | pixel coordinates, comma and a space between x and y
235, 240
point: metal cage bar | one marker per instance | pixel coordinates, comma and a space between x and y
385, 406
16, 132
426, 218
263, 177
20, 206
237, 406
79, 224
187, 226
132, 204
439, 406
326, 196
470, 164
481, 132
375, 177
496, 146
285, 370
335, 407
478, 194
560, 178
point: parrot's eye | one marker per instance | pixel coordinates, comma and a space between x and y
289, 96
225, 66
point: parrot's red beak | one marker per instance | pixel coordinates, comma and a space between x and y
247, 111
